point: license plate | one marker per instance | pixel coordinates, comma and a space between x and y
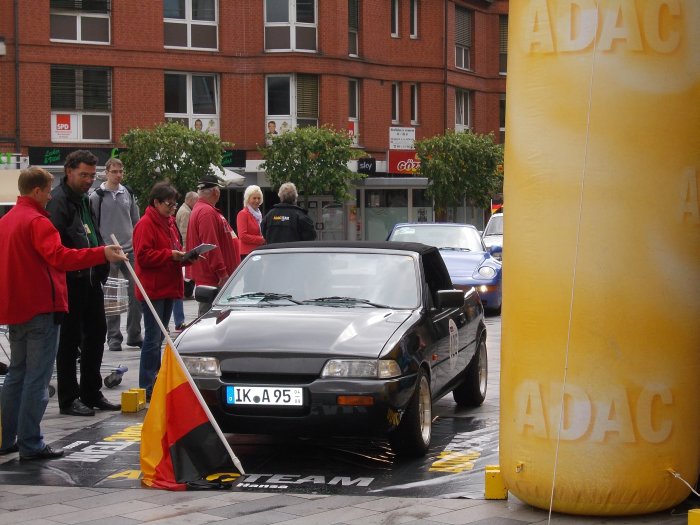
264, 395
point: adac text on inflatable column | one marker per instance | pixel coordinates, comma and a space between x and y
574, 25
592, 416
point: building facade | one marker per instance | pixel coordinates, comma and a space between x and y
81, 73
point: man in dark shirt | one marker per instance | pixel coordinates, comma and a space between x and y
84, 326
287, 222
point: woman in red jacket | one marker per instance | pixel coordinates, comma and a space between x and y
159, 261
248, 221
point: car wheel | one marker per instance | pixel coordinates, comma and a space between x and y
412, 437
472, 391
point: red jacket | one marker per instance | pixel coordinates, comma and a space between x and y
33, 264
248, 232
208, 225
155, 238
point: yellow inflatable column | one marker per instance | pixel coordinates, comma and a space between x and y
600, 385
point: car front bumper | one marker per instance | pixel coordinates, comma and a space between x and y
321, 413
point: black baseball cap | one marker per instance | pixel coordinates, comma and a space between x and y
209, 181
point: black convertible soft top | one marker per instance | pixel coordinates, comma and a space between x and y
363, 245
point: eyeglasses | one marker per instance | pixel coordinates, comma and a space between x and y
170, 204
84, 175
116, 171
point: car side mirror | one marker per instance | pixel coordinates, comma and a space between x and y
205, 294
495, 250
449, 299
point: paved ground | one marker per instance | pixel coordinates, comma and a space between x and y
37, 504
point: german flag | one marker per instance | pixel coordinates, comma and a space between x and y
181, 447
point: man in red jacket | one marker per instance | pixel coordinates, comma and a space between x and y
33, 298
208, 225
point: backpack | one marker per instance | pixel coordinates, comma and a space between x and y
101, 193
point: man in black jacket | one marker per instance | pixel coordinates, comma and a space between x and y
287, 222
84, 326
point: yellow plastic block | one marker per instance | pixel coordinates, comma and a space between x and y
495, 487
141, 392
694, 517
133, 400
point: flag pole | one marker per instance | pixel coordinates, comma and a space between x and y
169, 341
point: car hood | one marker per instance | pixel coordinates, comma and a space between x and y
299, 330
462, 265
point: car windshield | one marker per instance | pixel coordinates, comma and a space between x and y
334, 279
440, 236
494, 226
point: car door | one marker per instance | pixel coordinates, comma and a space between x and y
448, 327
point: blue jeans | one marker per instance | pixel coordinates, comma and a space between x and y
152, 341
25, 394
178, 312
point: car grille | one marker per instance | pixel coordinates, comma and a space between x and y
267, 379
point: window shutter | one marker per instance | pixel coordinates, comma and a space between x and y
307, 96
503, 34
62, 88
353, 15
97, 89
463, 33
89, 6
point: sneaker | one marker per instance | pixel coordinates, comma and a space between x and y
45, 453
180, 327
134, 343
115, 348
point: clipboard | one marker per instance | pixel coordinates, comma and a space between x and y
194, 253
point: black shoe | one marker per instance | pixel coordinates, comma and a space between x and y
134, 343
45, 453
9, 450
115, 348
103, 404
77, 408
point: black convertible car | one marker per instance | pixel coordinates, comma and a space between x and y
338, 338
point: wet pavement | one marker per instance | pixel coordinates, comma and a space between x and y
289, 481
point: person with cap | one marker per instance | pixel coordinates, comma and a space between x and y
287, 222
208, 225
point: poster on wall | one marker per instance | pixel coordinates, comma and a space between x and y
276, 127
64, 126
206, 124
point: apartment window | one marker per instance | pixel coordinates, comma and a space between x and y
290, 25
354, 110
395, 18
503, 44
191, 23
192, 99
395, 102
462, 110
81, 104
84, 21
414, 103
291, 102
413, 18
463, 38
353, 26
502, 118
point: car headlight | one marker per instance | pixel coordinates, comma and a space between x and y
487, 272
202, 366
372, 368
